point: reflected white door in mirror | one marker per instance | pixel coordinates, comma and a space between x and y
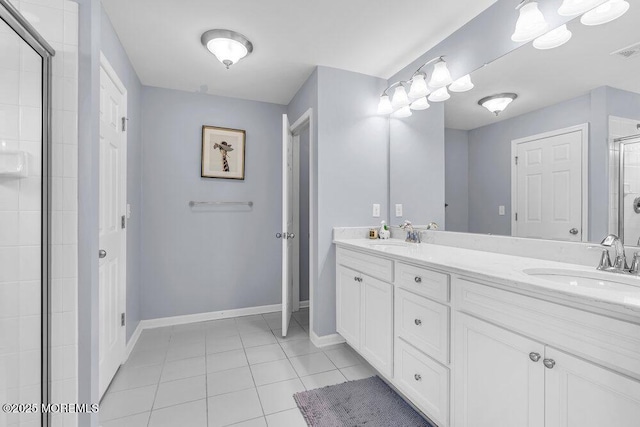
549, 188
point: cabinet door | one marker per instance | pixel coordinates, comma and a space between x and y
497, 384
348, 301
377, 324
581, 394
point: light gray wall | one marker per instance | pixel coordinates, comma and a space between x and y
456, 145
417, 172
622, 103
353, 144
208, 260
117, 57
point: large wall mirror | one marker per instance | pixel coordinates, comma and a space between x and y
550, 165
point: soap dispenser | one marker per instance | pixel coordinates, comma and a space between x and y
384, 232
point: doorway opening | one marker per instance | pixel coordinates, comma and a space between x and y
297, 222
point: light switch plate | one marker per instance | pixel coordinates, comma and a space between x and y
501, 210
376, 210
398, 210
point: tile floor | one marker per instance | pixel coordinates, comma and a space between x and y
238, 372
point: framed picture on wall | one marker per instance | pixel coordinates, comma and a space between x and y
222, 153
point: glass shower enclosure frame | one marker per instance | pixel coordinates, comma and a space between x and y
12, 17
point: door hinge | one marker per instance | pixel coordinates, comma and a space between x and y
122, 221
122, 322
124, 124
516, 160
516, 216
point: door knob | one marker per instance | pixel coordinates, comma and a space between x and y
278, 235
534, 356
102, 253
290, 235
573, 231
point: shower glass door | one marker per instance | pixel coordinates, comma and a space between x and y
24, 218
629, 201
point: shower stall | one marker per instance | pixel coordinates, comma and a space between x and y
25, 201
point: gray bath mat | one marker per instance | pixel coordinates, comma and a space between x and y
369, 402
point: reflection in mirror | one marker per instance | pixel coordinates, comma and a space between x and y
548, 165
629, 202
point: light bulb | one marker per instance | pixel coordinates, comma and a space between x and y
530, 24
439, 95
384, 106
419, 87
420, 104
402, 113
553, 38
577, 7
400, 98
441, 76
607, 12
227, 51
463, 84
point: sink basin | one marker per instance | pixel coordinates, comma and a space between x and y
585, 279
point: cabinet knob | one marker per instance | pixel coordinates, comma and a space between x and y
534, 356
418, 322
549, 363
418, 377
357, 279
418, 279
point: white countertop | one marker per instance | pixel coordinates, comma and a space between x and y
508, 270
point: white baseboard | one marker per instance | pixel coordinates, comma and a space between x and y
194, 318
325, 340
304, 304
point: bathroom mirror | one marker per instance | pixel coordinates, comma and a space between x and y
548, 165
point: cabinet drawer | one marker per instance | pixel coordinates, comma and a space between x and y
425, 282
423, 323
424, 381
370, 265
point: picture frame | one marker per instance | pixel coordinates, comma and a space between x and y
223, 153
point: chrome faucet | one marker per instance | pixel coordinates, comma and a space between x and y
620, 260
412, 235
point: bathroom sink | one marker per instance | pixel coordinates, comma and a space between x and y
585, 279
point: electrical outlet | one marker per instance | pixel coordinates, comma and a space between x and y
376, 210
500, 210
398, 210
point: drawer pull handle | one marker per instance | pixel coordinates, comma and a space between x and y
534, 356
418, 279
549, 363
418, 322
418, 377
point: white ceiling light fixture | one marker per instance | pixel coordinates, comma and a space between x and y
577, 7
530, 24
384, 106
420, 104
497, 103
440, 76
228, 46
607, 12
439, 95
463, 84
400, 98
402, 113
554, 38
419, 88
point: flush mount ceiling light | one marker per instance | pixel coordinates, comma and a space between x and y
439, 95
228, 46
577, 7
440, 76
420, 104
497, 103
553, 38
607, 12
463, 84
530, 24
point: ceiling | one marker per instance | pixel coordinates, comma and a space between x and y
290, 37
543, 78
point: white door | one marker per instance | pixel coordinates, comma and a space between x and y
112, 272
288, 233
376, 343
581, 394
549, 187
348, 303
498, 382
